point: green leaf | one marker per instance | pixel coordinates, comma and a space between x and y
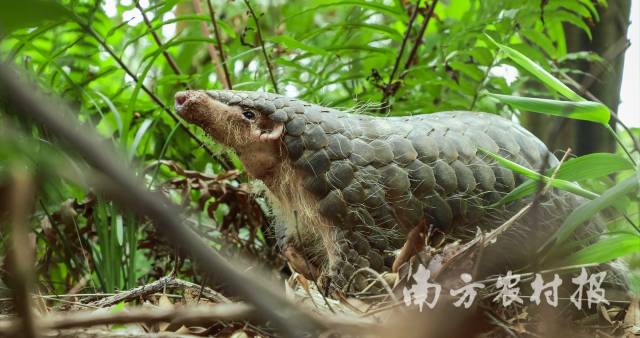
119, 227
592, 166
605, 250
592, 8
108, 125
585, 110
144, 127
573, 19
29, 13
293, 43
587, 210
468, 69
119, 307
582, 168
541, 40
537, 71
362, 4
116, 113
558, 183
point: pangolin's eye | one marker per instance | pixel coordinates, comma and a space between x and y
249, 115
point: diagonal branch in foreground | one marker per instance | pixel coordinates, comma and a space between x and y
121, 185
202, 315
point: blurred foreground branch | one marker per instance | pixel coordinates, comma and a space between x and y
192, 316
120, 184
21, 254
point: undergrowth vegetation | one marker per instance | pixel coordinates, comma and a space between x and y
119, 64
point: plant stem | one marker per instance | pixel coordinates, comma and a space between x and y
261, 42
156, 38
215, 59
619, 141
216, 32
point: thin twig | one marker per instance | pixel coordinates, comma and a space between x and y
172, 63
403, 45
485, 78
158, 286
423, 29
213, 54
555, 171
216, 32
119, 183
482, 83
261, 42
391, 88
387, 89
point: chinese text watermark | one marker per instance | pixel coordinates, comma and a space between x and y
423, 292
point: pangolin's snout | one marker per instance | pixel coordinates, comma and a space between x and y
191, 104
180, 101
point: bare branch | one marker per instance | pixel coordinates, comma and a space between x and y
261, 42
387, 89
155, 287
414, 50
392, 86
215, 59
156, 38
216, 32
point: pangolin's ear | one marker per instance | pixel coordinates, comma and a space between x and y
269, 136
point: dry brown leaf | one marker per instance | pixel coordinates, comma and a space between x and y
299, 263
603, 311
164, 303
632, 319
416, 242
303, 281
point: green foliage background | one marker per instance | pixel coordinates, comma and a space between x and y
337, 53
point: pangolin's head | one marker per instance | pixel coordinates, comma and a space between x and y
254, 124
233, 118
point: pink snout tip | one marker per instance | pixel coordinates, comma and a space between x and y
179, 101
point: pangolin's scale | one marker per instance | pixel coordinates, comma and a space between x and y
378, 177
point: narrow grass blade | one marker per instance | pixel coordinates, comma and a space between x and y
584, 110
295, 44
581, 168
605, 250
557, 183
587, 210
537, 71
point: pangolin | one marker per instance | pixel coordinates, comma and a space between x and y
347, 188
